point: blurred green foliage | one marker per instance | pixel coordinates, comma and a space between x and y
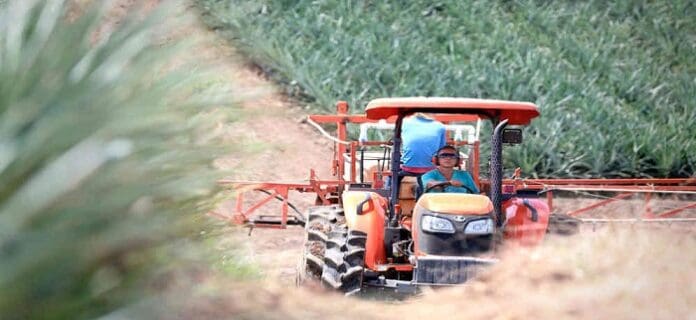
614, 80
105, 159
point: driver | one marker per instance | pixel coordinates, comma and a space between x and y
445, 178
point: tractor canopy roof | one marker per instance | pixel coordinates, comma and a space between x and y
517, 113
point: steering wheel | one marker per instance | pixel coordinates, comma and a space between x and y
442, 185
445, 184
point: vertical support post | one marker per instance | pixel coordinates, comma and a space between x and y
395, 168
648, 211
549, 200
476, 164
341, 134
284, 209
362, 163
238, 205
353, 166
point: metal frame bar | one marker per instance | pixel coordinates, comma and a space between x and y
275, 190
625, 187
673, 212
599, 204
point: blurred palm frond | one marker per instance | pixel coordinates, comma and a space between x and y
104, 158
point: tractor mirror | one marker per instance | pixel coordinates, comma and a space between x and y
512, 136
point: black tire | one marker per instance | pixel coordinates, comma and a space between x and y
344, 261
321, 221
563, 224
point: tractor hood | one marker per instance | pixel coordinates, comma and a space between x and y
456, 203
517, 113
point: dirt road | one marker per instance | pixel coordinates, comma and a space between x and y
274, 145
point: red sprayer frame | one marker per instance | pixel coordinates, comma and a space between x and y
624, 187
328, 191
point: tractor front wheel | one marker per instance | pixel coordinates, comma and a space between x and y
321, 221
344, 260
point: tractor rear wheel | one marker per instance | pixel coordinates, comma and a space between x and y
321, 221
563, 224
344, 260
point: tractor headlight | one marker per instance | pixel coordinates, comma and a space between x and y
481, 226
435, 224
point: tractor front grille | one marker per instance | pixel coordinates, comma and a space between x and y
447, 270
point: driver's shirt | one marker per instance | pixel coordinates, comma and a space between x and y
462, 176
421, 139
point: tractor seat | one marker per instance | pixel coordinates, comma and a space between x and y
407, 194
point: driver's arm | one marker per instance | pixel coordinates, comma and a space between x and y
432, 183
467, 180
429, 179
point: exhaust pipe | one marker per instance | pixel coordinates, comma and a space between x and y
496, 172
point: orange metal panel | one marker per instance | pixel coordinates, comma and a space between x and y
362, 118
518, 113
520, 226
371, 222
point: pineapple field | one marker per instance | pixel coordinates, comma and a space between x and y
119, 118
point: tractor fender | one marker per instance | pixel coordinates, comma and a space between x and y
366, 211
526, 220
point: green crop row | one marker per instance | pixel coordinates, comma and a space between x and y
615, 82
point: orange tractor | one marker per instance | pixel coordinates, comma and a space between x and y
374, 235
365, 233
